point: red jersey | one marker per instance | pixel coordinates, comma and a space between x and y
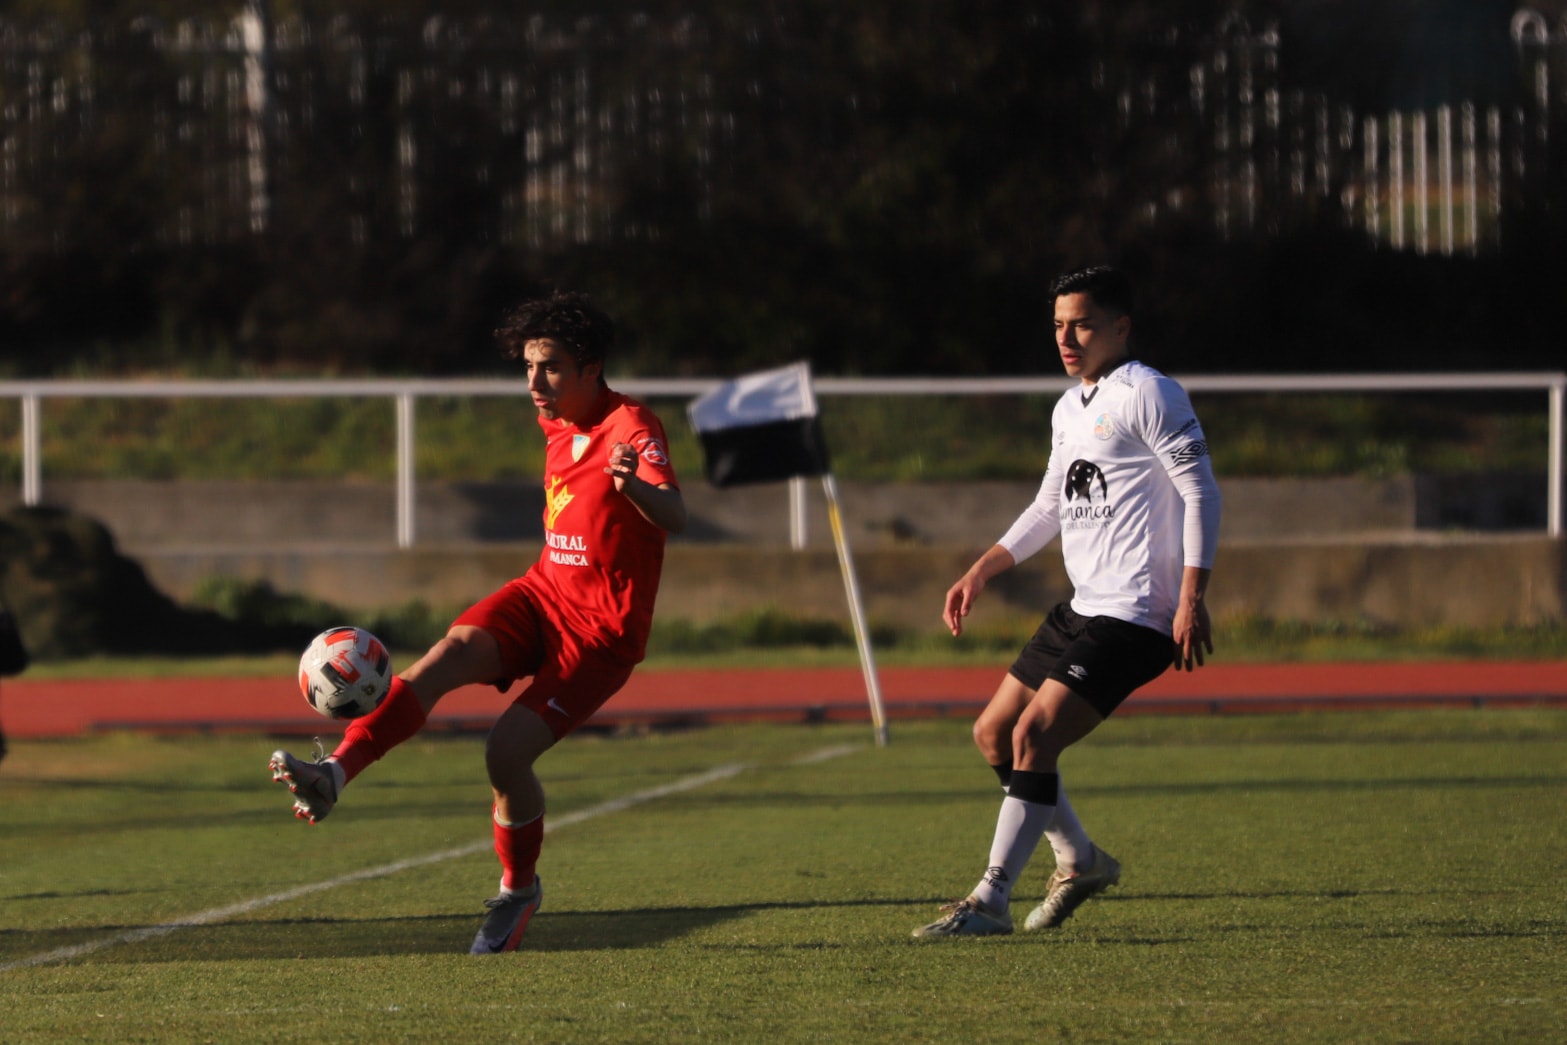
597, 576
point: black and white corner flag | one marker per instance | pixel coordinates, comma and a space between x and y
761, 428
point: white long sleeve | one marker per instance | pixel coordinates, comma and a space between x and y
1037, 525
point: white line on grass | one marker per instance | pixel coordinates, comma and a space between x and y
220, 914
825, 754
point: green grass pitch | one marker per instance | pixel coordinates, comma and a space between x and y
1359, 877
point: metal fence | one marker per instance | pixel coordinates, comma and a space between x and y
549, 119
407, 393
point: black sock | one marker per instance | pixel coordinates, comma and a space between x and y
1040, 788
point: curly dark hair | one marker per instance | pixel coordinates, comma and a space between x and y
566, 317
1109, 287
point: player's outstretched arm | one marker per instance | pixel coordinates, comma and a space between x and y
1192, 631
962, 595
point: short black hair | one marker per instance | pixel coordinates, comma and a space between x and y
1109, 287
567, 317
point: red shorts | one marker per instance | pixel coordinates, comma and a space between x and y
569, 683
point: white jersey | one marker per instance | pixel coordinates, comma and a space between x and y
1130, 490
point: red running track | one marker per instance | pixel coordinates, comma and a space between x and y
35, 708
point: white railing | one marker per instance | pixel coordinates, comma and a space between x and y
406, 393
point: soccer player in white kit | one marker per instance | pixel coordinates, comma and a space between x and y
1129, 489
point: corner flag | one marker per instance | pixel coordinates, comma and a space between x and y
763, 427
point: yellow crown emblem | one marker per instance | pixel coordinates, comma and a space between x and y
556, 497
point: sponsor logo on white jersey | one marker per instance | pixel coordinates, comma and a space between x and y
1083, 479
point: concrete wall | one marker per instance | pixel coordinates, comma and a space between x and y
1327, 549
236, 515
1463, 581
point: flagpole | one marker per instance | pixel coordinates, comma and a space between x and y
856, 611
763, 427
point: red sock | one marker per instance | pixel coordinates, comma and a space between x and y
518, 847
367, 739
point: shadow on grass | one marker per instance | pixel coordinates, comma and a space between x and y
116, 784
54, 894
1323, 784
806, 797
1534, 928
318, 939
439, 933
430, 806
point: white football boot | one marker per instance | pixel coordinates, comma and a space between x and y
967, 917
1067, 892
315, 785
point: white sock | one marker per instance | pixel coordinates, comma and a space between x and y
527, 891
1019, 827
1074, 852
339, 775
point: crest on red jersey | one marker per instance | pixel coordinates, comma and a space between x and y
653, 453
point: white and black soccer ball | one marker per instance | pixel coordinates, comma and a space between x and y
345, 673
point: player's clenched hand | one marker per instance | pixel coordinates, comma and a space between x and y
622, 463
960, 599
1193, 635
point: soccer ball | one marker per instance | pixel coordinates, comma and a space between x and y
345, 673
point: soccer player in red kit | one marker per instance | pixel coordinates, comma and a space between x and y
576, 622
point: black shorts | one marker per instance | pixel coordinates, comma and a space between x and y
1101, 659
